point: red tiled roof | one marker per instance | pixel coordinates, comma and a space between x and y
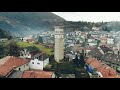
95, 63
101, 67
89, 60
15, 61
10, 64
111, 77
4, 70
37, 74
3, 60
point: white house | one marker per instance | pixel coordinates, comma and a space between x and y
77, 33
70, 56
29, 52
95, 28
92, 43
39, 64
26, 38
3, 39
38, 60
90, 39
110, 41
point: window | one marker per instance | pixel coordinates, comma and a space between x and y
21, 54
38, 63
35, 57
32, 62
27, 64
19, 69
24, 66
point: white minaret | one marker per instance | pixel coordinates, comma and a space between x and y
59, 43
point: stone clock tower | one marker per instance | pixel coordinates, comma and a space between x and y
59, 43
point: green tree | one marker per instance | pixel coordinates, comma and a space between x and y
12, 48
82, 62
76, 61
98, 42
40, 39
5, 34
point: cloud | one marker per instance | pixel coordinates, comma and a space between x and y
90, 16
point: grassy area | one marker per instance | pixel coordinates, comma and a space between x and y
40, 47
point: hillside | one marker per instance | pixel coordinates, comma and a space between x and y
40, 47
26, 23
87, 26
5, 34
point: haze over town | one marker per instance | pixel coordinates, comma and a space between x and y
90, 16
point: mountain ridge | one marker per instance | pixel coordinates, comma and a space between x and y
26, 23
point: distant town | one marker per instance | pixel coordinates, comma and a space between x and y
61, 53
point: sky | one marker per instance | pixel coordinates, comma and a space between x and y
90, 16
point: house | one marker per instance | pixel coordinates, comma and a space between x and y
91, 38
92, 43
39, 63
88, 49
110, 41
38, 60
95, 28
99, 51
77, 33
112, 60
96, 66
38, 74
30, 52
94, 34
105, 49
70, 56
30, 40
26, 38
95, 52
10, 63
3, 39
103, 40
111, 77
115, 49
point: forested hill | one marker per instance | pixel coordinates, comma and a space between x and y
27, 23
5, 34
86, 26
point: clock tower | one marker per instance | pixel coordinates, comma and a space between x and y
59, 43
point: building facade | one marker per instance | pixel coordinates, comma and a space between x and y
39, 64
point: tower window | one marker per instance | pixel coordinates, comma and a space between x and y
38, 63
